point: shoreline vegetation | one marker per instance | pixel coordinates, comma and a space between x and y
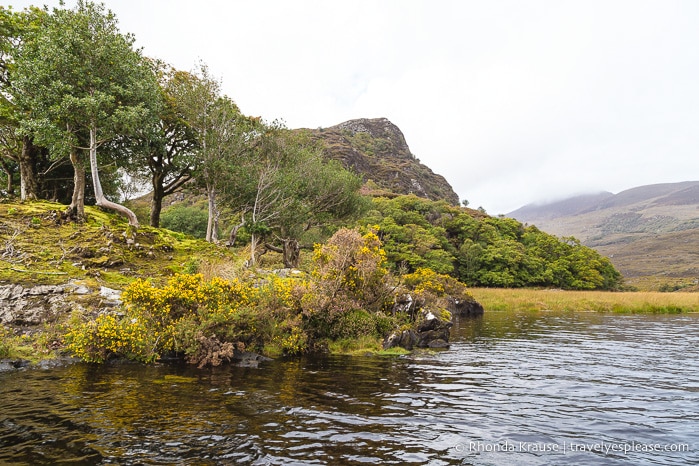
182, 295
622, 302
196, 300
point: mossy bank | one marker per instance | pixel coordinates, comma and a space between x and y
100, 290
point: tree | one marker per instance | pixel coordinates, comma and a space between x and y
166, 146
273, 184
83, 84
197, 94
284, 187
482, 250
16, 30
10, 146
326, 194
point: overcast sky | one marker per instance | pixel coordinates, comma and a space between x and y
512, 101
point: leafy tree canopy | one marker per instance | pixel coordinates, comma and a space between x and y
484, 251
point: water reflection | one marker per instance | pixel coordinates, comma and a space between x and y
525, 380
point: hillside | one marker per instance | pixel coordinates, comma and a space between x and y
376, 150
648, 232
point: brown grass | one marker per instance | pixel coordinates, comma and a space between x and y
495, 299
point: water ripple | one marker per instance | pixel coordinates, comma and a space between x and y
514, 389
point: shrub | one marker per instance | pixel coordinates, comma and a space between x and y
348, 296
5, 345
434, 290
348, 277
95, 341
188, 220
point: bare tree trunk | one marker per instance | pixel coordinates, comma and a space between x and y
210, 224
253, 247
292, 253
156, 203
99, 194
214, 231
10, 184
77, 204
8, 169
29, 184
234, 231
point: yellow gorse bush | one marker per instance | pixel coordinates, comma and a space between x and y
94, 341
173, 318
423, 280
349, 294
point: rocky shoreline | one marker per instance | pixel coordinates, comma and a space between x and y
25, 308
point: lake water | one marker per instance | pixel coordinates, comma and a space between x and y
514, 389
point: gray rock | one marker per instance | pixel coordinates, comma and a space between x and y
32, 305
110, 295
404, 304
439, 343
465, 307
248, 359
12, 364
82, 289
406, 339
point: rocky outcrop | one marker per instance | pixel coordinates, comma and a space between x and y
380, 129
27, 306
431, 331
31, 306
465, 307
377, 151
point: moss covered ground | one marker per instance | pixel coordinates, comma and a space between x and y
37, 246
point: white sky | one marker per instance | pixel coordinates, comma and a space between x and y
512, 101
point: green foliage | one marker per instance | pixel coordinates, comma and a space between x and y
79, 83
5, 345
484, 251
77, 72
204, 320
185, 219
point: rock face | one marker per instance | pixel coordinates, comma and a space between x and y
380, 129
31, 306
465, 307
28, 306
432, 331
376, 150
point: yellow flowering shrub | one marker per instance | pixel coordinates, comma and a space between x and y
349, 295
95, 341
426, 280
178, 317
349, 275
294, 342
435, 290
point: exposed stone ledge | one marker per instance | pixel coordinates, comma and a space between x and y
34, 305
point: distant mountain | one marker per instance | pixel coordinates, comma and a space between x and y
650, 233
571, 206
376, 150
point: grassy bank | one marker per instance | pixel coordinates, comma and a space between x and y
188, 297
495, 299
